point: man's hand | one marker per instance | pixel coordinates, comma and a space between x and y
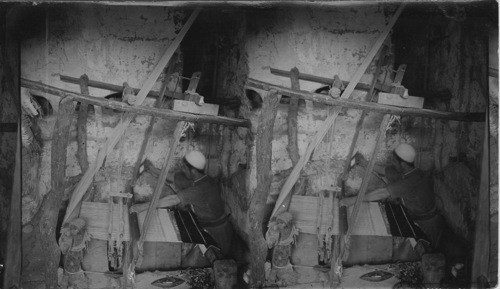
137, 208
346, 202
165, 202
147, 164
359, 159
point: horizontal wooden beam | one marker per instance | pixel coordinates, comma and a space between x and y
118, 88
371, 106
329, 81
441, 95
121, 106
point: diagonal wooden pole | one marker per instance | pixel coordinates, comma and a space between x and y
119, 130
339, 245
13, 264
364, 185
167, 164
81, 126
481, 253
320, 134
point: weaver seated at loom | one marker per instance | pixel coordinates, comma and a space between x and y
411, 205
201, 194
383, 232
410, 187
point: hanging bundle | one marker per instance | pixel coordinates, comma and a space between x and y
30, 109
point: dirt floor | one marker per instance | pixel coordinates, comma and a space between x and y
351, 279
144, 280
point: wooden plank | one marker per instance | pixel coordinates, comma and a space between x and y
292, 178
193, 83
81, 125
119, 88
13, 257
329, 81
400, 73
120, 128
395, 99
191, 107
481, 257
263, 151
161, 256
167, 164
370, 250
371, 106
117, 105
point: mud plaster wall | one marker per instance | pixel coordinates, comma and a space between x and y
328, 42
459, 63
113, 45
322, 42
325, 42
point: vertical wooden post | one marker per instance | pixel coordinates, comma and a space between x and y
130, 254
12, 275
167, 164
480, 262
9, 88
364, 185
46, 218
342, 211
293, 146
81, 126
263, 150
293, 112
